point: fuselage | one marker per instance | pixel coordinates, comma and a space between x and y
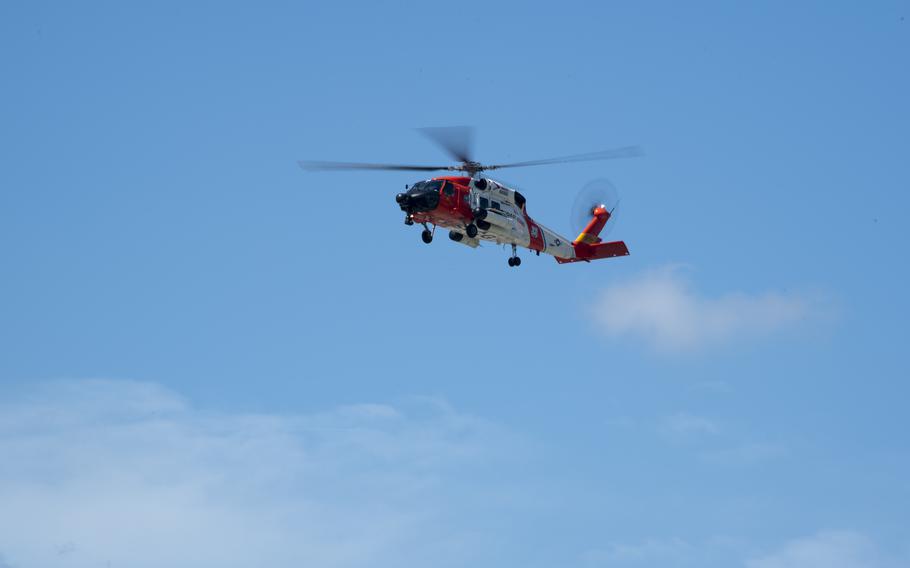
498, 212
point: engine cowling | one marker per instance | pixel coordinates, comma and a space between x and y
464, 239
495, 218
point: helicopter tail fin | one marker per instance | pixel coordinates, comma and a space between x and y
590, 234
588, 246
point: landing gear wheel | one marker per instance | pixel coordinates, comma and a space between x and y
456, 236
427, 236
514, 260
471, 230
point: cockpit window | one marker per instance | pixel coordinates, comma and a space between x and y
429, 185
448, 189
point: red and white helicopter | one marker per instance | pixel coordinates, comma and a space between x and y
475, 208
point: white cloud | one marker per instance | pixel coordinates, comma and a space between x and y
713, 386
130, 474
683, 426
826, 549
662, 308
750, 453
715, 443
678, 552
830, 549
652, 552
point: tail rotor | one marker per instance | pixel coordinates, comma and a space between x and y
598, 193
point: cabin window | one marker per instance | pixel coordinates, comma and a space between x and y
484, 203
495, 205
448, 189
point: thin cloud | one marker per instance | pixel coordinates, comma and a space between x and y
714, 443
121, 473
829, 549
683, 426
746, 454
662, 308
825, 549
652, 552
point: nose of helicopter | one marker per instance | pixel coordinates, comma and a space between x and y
418, 200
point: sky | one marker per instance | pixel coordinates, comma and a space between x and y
213, 358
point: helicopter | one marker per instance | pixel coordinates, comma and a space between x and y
475, 208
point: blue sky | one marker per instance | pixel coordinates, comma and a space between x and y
211, 357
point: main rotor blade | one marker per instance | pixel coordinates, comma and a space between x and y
456, 140
313, 166
625, 152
